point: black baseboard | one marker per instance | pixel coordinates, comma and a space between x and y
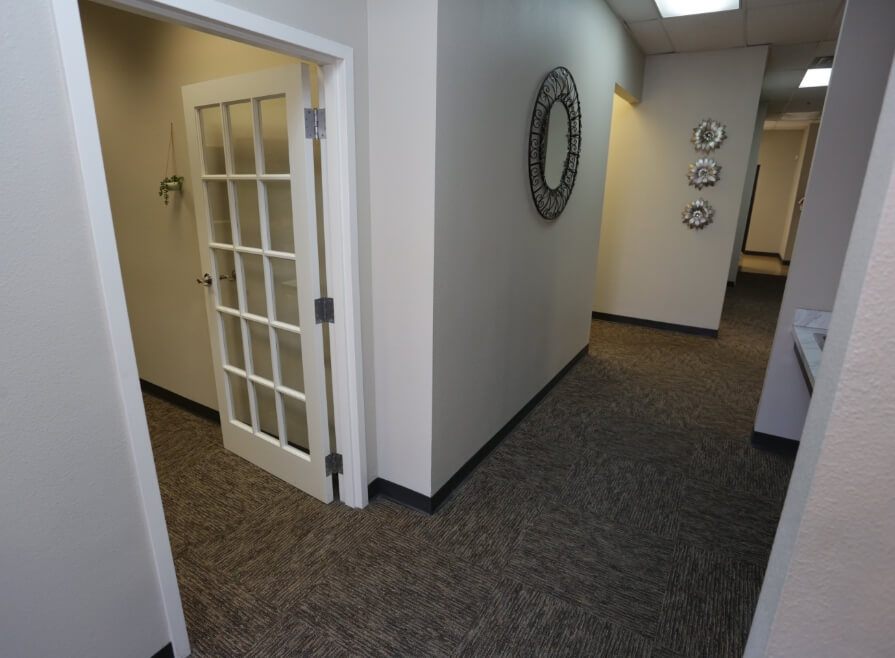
180, 401
400, 494
731, 284
775, 443
166, 651
429, 504
772, 254
653, 324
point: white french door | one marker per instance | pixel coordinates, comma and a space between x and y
256, 213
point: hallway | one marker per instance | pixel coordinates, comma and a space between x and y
627, 515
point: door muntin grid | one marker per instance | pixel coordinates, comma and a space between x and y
257, 257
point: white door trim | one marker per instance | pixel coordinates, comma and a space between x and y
337, 63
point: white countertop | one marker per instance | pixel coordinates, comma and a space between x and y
809, 331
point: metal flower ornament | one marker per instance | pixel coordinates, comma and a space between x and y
705, 172
698, 214
708, 135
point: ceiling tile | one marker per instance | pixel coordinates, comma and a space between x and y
825, 49
632, 11
752, 4
651, 37
779, 85
807, 100
706, 31
796, 56
791, 23
776, 107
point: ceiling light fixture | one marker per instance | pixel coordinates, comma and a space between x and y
672, 8
816, 78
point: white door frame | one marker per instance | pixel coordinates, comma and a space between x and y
337, 63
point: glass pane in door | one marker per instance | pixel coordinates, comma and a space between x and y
239, 399
212, 135
225, 266
279, 212
285, 290
247, 213
232, 339
253, 273
296, 423
219, 211
289, 347
273, 135
242, 141
259, 339
267, 410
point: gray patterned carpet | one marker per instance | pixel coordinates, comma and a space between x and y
627, 515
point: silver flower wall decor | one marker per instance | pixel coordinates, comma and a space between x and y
708, 135
705, 172
698, 214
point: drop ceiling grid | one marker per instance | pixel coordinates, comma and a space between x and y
796, 30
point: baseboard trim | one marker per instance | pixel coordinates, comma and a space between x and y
775, 443
182, 402
400, 494
166, 651
654, 324
429, 504
772, 254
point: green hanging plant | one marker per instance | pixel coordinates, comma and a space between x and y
172, 183
169, 184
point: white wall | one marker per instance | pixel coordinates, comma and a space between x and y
746, 199
77, 576
860, 70
780, 159
829, 588
402, 171
650, 265
137, 67
512, 302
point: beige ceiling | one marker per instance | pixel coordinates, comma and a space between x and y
796, 30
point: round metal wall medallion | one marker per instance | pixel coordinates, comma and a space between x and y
558, 87
698, 214
708, 135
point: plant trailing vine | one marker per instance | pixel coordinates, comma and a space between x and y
169, 184
172, 183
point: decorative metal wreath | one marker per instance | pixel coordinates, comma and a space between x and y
708, 135
698, 214
705, 172
558, 87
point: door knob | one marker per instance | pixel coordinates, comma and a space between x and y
206, 280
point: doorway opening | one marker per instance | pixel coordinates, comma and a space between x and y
784, 164
138, 72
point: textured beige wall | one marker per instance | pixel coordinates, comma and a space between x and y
650, 265
137, 67
851, 110
829, 588
512, 290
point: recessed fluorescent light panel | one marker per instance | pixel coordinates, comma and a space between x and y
816, 78
672, 8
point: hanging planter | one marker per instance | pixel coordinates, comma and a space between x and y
172, 183
169, 184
